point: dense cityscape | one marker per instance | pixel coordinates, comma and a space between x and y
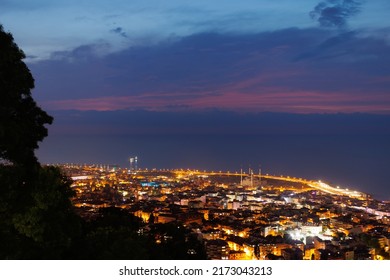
239, 215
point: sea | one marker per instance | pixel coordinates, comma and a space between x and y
358, 162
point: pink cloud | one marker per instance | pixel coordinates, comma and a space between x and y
271, 99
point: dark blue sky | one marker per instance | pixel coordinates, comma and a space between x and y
312, 75
306, 56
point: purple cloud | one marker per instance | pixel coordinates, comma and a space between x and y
290, 70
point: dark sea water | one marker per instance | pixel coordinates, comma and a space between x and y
353, 161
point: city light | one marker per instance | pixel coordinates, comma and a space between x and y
233, 207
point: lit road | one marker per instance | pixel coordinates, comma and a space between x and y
321, 186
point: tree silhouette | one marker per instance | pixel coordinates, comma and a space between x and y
22, 122
36, 214
113, 235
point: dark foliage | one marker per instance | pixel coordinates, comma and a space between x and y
22, 122
117, 234
36, 214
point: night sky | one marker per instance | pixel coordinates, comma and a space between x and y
301, 88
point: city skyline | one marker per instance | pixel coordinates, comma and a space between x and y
237, 216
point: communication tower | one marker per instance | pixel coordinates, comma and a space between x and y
133, 163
